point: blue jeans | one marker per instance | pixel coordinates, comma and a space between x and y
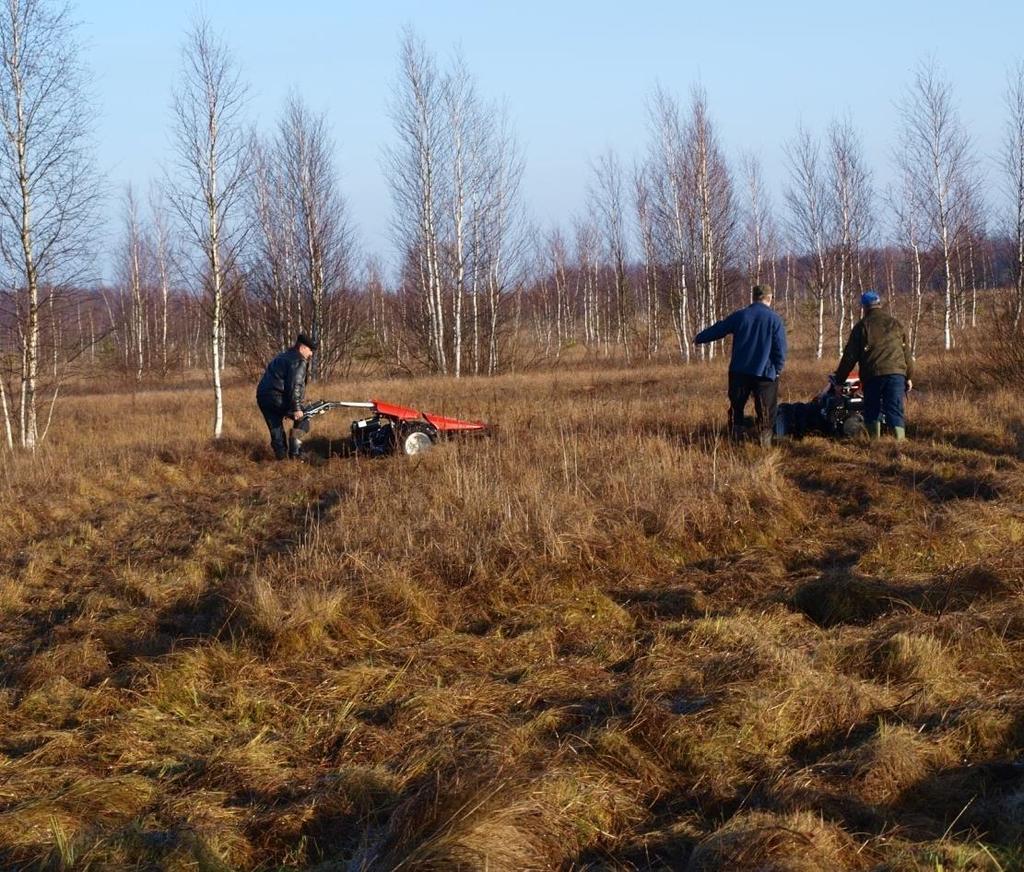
883, 396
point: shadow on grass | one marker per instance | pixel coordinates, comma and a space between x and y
941, 488
315, 448
985, 443
1016, 428
844, 596
178, 848
210, 615
662, 603
451, 811
190, 619
971, 802
661, 848
325, 447
855, 486
851, 494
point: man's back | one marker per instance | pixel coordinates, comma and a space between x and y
878, 345
284, 378
758, 340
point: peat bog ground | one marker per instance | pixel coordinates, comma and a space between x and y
601, 638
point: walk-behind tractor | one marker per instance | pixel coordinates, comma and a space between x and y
392, 429
838, 411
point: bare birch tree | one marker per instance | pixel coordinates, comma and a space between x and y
586, 267
454, 173
807, 197
163, 258
504, 236
562, 304
646, 229
130, 269
935, 154
414, 167
906, 209
712, 213
970, 241
323, 243
462, 196
271, 266
850, 205
761, 235
1013, 166
667, 168
608, 204
210, 165
49, 192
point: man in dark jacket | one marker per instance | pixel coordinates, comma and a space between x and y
279, 395
878, 346
758, 356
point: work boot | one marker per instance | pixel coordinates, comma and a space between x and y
874, 429
295, 448
900, 433
737, 434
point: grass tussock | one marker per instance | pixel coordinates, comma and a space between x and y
603, 637
773, 843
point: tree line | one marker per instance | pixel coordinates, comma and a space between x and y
246, 237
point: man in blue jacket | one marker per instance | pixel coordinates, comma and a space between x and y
758, 356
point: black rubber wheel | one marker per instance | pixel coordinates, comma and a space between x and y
415, 438
853, 426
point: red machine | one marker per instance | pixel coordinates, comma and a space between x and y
395, 428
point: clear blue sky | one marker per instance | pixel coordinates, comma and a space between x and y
575, 75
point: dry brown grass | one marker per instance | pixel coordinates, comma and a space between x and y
603, 638
762, 842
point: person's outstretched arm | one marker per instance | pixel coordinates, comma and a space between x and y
908, 361
851, 354
719, 330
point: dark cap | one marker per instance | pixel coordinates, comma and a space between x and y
311, 343
759, 292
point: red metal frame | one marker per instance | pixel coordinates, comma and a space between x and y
439, 422
400, 413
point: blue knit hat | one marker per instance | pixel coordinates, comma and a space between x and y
869, 299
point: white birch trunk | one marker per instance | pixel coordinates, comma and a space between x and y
1020, 272
8, 432
216, 327
947, 313
918, 300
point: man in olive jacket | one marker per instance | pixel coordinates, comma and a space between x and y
758, 356
878, 346
279, 395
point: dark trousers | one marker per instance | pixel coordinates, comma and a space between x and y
274, 414
766, 400
883, 395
